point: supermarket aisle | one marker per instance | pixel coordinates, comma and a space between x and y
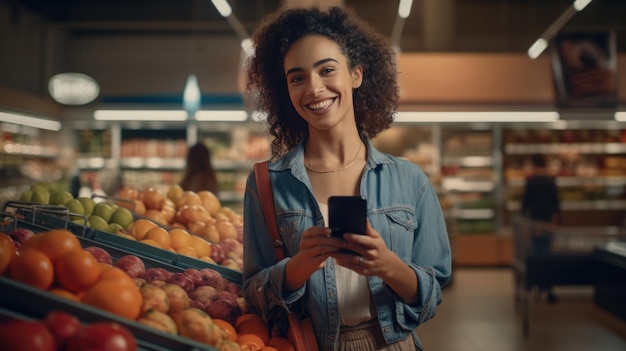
478, 314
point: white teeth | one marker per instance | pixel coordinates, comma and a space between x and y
320, 105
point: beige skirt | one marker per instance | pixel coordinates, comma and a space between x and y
367, 336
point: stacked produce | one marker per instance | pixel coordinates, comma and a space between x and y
184, 222
195, 303
62, 331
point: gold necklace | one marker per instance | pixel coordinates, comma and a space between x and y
307, 163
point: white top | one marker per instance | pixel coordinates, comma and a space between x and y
353, 293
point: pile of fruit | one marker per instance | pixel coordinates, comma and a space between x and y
62, 331
195, 303
105, 216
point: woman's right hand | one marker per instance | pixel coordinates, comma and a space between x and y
315, 245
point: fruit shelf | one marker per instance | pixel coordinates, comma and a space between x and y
19, 299
52, 217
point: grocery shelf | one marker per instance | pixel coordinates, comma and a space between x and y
589, 205
460, 184
468, 161
156, 163
573, 181
558, 148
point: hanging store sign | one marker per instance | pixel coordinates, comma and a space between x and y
73, 88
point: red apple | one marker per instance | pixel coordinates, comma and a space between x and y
63, 326
231, 245
224, 309
181, 280
132, 265
217, 253
22, 335
21, 234
156, 273
100, 254
103, 336
213, 278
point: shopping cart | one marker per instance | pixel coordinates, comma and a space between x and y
546, 255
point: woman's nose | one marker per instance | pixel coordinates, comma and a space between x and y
316, 87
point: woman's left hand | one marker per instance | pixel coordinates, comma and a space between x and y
368, 254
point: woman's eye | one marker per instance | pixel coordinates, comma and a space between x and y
328, 70
295, 79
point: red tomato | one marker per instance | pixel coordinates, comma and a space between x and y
63, 326
21, 335
7, 252
102, 336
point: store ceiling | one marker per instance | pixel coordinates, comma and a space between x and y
434, 25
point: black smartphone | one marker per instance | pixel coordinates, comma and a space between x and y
347, 214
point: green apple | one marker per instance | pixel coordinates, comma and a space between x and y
60, 197
40, 195
98, 223
123, 217
104, 210
88, 204
26, 195
74, 206
115, 228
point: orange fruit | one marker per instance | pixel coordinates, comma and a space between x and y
140, 227
160, 235
151, 243
254, 326
246, 316
7, 252
77, 270
29, 243
64, 293
202, 247
56, 242
115, 274
115, 297
250, 342
268, 348
33, 268
228, 328
180, 238
187, 251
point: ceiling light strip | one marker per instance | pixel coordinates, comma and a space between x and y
26, 120
476, 116
140, 115
542, 42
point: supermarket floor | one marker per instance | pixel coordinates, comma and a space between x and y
478, 314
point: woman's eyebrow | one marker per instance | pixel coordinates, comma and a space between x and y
316, 64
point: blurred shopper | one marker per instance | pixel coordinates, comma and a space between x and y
199, 173
541, 203
328, 85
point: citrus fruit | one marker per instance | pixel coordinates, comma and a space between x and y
229, 329
7, 252
202, 247
179, 238
77, 270
115, 297
254, 326
250, 342
56, 242
187, 251
140, 227
33, 268
64, 293
160, 235
115, 274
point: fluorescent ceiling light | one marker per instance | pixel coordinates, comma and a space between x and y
579, 5
222, 7
620, 116
537, 48
25, 120
477, 116
404, 9
191, 94
140, 115
222, 116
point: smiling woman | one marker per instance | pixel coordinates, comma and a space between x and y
327, 83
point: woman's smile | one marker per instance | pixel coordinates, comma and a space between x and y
321, 105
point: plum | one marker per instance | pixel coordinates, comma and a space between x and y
132, 265
100, 254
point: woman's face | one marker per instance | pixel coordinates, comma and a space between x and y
320, 83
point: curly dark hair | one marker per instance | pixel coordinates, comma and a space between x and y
375, 100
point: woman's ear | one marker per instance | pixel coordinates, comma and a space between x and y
357, 76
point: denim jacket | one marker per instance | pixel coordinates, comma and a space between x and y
402, 206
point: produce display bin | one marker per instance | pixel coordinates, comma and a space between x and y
48, 217
19, 299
